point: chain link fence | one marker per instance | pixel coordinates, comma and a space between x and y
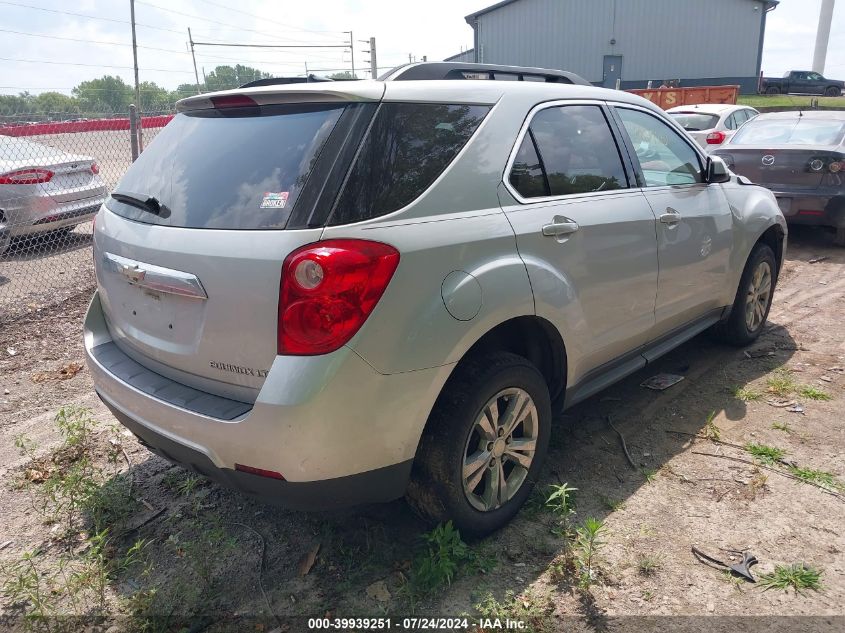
55, 172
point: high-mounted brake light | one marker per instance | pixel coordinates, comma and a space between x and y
327, 291
233, 101
716, 138
26, 177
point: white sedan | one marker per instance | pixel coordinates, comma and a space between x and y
712, 124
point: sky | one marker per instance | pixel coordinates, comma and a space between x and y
432, 28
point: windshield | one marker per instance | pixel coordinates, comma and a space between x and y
695, 121
238, 169
799, 131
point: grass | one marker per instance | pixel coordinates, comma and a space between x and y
532, 611
798, 576
650, 474
820, 477
611, 504
746, 394
813, 393
779, 101
782, 426
781, 383
765, 454
711, 429
589, 538
649, 564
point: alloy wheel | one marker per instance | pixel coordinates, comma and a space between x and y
757, 299
500, 449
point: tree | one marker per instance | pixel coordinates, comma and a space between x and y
107, 95
343, 75
228, 77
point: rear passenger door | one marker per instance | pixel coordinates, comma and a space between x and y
584, 230
694, 228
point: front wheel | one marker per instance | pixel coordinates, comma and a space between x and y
484, 444
753, 299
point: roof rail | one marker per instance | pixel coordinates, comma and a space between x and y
458, 70
275, 81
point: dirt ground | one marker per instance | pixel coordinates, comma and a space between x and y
213, 560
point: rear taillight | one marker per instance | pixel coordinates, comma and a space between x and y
327, 291
95, 168
26, 177
836, 167
716, 138
233, 101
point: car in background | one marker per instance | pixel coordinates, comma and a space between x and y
802, 82
799, 156
711, 124
45, 189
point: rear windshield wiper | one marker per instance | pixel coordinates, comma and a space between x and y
142, 201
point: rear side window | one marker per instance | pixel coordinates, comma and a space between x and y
568, 150
229, 169
407, 147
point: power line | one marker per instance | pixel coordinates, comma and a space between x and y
197, 17
84, 15
258, 17
87, 41
45, 61
273, 45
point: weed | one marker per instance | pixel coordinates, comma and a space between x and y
648, 596
535, 612
649, 564
765, 454
588, 541
813, 393
562, 504
190, 483
735, 581
612, 504
650, 474
820, 477
782, 426
781, 383
444, 553
711, 429
798, 576
746, 394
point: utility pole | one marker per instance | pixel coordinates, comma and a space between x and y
823, 35
137, 83
372, 53
194, 57
352, 50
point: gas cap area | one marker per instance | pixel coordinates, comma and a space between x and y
461, 294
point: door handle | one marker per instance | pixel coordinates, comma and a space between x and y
560, 226
670, 217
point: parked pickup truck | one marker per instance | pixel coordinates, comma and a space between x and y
803, 82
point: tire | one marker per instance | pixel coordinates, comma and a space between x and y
437, 490
741, 328
832, 91
772, 90
839, 237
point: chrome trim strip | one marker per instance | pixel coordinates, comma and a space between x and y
156, 278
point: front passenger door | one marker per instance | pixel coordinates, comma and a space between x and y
694, 227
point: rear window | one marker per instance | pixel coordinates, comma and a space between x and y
798, 131
695, 122
229, 169
407, 147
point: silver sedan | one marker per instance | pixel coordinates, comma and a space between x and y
45, 189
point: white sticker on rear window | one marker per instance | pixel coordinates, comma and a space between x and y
274, 200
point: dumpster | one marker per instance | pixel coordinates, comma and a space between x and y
670, 97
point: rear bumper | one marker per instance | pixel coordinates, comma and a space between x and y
821, 210
45, 214
340, 433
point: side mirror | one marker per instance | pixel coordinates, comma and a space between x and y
717, 171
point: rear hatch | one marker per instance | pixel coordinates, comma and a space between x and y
190, 251
697, 124
790, 153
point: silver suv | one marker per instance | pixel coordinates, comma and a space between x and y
333, 293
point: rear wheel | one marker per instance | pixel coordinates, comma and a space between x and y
772, 90
753, 299
484, 444
832, 91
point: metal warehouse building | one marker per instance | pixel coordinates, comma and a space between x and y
699, 42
